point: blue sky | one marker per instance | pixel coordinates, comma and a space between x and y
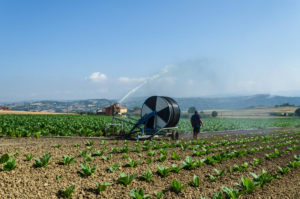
102, 49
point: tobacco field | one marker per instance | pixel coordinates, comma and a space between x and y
263, 164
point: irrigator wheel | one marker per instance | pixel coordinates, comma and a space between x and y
168, 112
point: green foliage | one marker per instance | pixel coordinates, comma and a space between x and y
138, 194
114, 167
262, 179
175, 156
247, 185
162, 158
231, 193
132, 163
176, 186
58, 146
220, 173
147, 176
98, 153
126, 179
158, 194
68, 160
218, 195
44, 161
67, 193
195, 181
28, 157
102, 187
283, 170
10, 164
4, 158
148, 160
163, 171
212, 178
214, 114
189, 163
89, 143
297, 112
87, 170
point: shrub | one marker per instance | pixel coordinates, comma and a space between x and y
297, 112
214, 114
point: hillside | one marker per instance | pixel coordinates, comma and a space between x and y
241, 102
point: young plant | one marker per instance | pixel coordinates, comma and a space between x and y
176, 168
220, 173
28, 157
294, 164
175, 156
76, 145
67, 193
195, 181
247, 185
89, 143
58, 146
218, 195
10, 164
163, 171
4, 158
87, 170
132, 163
147, 176
107, 157
114, 167
98, 153
177, 186
68, 160
162, 158
102, 187
151, 153
231, 193
212, 178
189, 163
126, 179
148, 160
43, 162
262, 179
138, 194
158, 194
284, 170
58, 177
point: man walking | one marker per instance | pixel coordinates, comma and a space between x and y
196, 124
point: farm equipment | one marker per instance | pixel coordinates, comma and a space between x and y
159, 116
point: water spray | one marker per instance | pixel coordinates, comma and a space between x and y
156, 76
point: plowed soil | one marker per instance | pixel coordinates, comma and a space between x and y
27, 181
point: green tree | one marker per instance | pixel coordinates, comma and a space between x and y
214, 114
297, 112
192, 109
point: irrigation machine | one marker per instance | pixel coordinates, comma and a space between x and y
159, 118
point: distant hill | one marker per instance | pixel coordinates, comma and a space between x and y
200, 103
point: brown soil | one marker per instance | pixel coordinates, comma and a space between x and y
26, 181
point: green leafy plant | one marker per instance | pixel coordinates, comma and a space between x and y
147, 176
126, 179
67, 193
87, 170
176, 186
195, 181
158, 194
68, 160
189, 163
220, 173
76, 145
28, 157
107, 157
132, 163
211, 178
218, 195
148, 160
247, 185
58, 146
44, 161
102, 187
163, 171
89, 143
151, 153
294, 164
262, 179
175, 156
114, 167
138, 194
162, 158
58, 177
4, 158
283, 170
10, 164
98, 153
231, 193
176, 168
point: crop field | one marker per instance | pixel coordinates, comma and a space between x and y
69, 125
218, 165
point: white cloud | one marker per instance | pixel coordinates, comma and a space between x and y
97, 77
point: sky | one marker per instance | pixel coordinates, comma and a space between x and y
69, 50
